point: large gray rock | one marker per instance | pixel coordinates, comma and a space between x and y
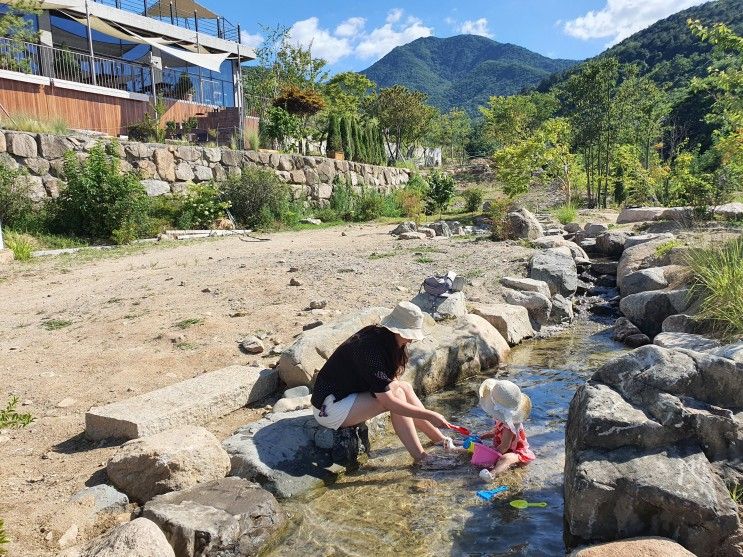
441, 228
194, 401
556, 269
511, 321
625, 331
732, 352
523, 225
730, 211
611, 244
629, 492
156, 187
526, 285
230, 517
653, 546
165, 162
594, 230
547, 242
139, 538
440, 308
637, 258
639, 214
685, 341
648, 310
21, 144
54, 146
169, 461
101, 498
633, 241
538, 305
403, 227
645, 280
562, 310
683, 323
299, 364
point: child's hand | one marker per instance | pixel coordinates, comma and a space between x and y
488, 435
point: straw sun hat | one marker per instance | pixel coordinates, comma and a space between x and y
406, 320
504, 401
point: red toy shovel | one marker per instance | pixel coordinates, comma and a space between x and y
459, 429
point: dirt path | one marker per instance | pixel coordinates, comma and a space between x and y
109, 328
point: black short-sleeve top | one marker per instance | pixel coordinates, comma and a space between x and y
362, 364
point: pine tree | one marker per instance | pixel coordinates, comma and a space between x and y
371, 156
382, 147
346, 137
335, 143
358, 138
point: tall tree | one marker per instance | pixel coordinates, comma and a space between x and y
346, 92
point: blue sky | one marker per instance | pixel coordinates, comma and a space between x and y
352, 35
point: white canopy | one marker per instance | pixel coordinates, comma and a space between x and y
181, 8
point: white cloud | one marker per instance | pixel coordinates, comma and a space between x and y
621, 18
351, 27
322, 43
382, 39
478, 27
253, 41
394, 15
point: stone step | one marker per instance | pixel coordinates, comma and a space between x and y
192, 402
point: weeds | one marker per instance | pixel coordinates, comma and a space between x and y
56, 324
3, 538
186, 323
565, 214
374, 255
11, 419
424, 259
186, 346
736, 493
20, 244
666, 247
26, 123
719, 284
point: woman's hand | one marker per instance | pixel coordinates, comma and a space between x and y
438, 420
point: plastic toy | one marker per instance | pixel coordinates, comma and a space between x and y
470, 441
522, 504
484, 457
459, 429
487, 495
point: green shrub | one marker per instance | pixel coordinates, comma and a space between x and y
369, 206
499, 209
10, 418
20, 244
472, 199
257, 198
3, 538
25, 123
410, 165
440, 191
343, 199
719, 283
99, 199
15, 203
326, 214
665, 248
202, 206
335, 139
566, 214
253, 140
391, 206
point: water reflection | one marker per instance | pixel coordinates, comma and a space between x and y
388, 509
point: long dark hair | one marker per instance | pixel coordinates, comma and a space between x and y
396, 355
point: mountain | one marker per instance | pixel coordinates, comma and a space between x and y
463, 71
667, 51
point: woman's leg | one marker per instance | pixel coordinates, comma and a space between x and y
424, 426
505, 462
364, 408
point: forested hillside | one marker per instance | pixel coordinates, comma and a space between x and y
463, 71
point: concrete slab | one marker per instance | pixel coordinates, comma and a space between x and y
192, 402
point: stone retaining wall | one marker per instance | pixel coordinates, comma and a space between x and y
166, 168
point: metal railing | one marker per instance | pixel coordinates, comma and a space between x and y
168, 12
70, 65
179, 85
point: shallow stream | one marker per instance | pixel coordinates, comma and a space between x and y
388, 508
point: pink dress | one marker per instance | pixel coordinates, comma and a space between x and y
519, 444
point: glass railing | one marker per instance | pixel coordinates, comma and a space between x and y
168, 12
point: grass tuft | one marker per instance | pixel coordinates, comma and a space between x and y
719, 284
21, 245
186, 323
565, 214
56, 324
26, 123
666, 247
11, 419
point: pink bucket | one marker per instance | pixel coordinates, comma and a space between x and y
484, 456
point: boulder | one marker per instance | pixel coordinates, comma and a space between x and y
441, 229
290, 404
428, 232
604, 267
229, 517
409, 226
595, 230
556, 269
635, 547
547, 242
511, 321
165, 163
184, 172
682, 323
611, 244
139, 538
21, 144
685, 341
625, 331
573, 227
732, 352
440, 308
523, 225
648, 310
645, 280
730, 211
538, 305
633, 241
101, 498
169, 461
303, 359
526, 285
54, 146
156, 187
562, 310
412, 236
639, 214
664, 227
637, 258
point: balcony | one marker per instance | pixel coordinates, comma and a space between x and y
182, 13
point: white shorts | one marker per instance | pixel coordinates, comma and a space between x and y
333, 414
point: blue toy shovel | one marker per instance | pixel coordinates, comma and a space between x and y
490, 493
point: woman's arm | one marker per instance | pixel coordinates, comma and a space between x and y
404, 408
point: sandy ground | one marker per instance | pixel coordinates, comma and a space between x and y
102, 329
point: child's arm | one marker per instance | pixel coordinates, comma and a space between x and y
506, 441
489, 435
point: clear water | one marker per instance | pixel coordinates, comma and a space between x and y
387, 508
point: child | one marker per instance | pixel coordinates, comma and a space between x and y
505, 402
